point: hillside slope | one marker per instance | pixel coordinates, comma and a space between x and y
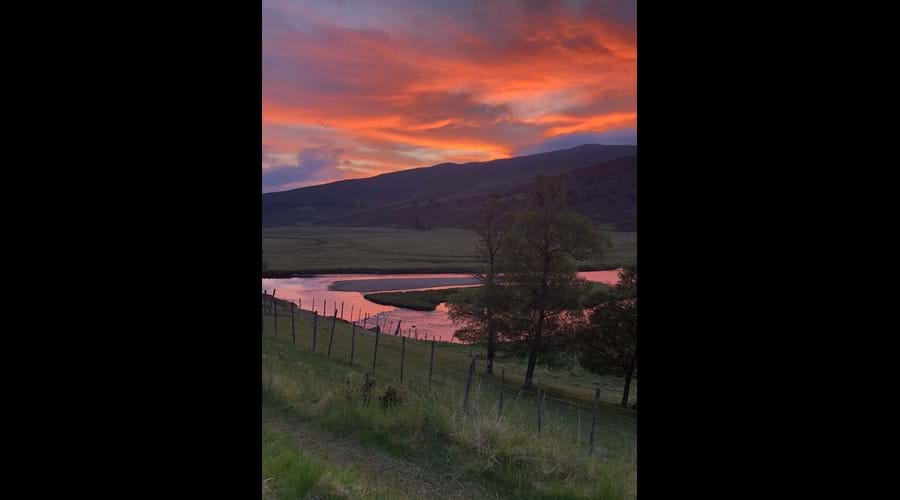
602, 186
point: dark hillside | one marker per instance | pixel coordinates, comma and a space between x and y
602, 187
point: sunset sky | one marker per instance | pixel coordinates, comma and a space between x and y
356, 88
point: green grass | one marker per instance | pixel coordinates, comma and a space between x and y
326, 249
422, 300
289, 473
293, 474
503, 453
428, 300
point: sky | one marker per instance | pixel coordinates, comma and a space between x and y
356, 88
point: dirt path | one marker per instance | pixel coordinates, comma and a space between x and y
408, 477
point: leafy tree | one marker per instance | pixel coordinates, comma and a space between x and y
478, 311
607, 342
539, 289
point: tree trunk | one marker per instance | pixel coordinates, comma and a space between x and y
628, 380
491, 348
529, 374
492, 329
539, 330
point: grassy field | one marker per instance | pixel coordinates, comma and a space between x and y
290, 472
428, 300
494, 454
421, 300
392, 284
323, 249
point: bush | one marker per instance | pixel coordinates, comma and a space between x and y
393, 396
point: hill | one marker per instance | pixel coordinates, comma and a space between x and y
602, 186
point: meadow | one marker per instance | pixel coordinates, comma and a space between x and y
420, 300
330, 249
428, 300
321, 438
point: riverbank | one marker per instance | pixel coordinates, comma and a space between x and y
325, 293
423, 300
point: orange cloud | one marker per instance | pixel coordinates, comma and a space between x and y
417, 84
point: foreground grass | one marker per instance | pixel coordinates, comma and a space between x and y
499, 451
289, 473
326, 249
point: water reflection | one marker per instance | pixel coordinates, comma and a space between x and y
316, 293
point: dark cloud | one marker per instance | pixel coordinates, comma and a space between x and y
621, 136
313, 164
460, 106
603, 102
622, 12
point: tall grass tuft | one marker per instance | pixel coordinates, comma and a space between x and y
287, 473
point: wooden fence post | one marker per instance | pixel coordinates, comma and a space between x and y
293, 335
352, 341
594, 419
375, 355
402, 355
273, 298
275, 310
431, 364
469, 383
315, 325
342, 310
331, 339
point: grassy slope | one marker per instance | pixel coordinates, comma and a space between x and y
505, 455
343, 249
289, 472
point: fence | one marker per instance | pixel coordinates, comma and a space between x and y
523, 405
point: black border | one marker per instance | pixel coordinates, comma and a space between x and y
176, 392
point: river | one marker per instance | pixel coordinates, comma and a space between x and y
336, 291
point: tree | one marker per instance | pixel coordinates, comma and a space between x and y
607, 342
539, 287
479, 312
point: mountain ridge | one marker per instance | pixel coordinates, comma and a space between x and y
448, 194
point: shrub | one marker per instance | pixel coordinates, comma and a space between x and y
393, 396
